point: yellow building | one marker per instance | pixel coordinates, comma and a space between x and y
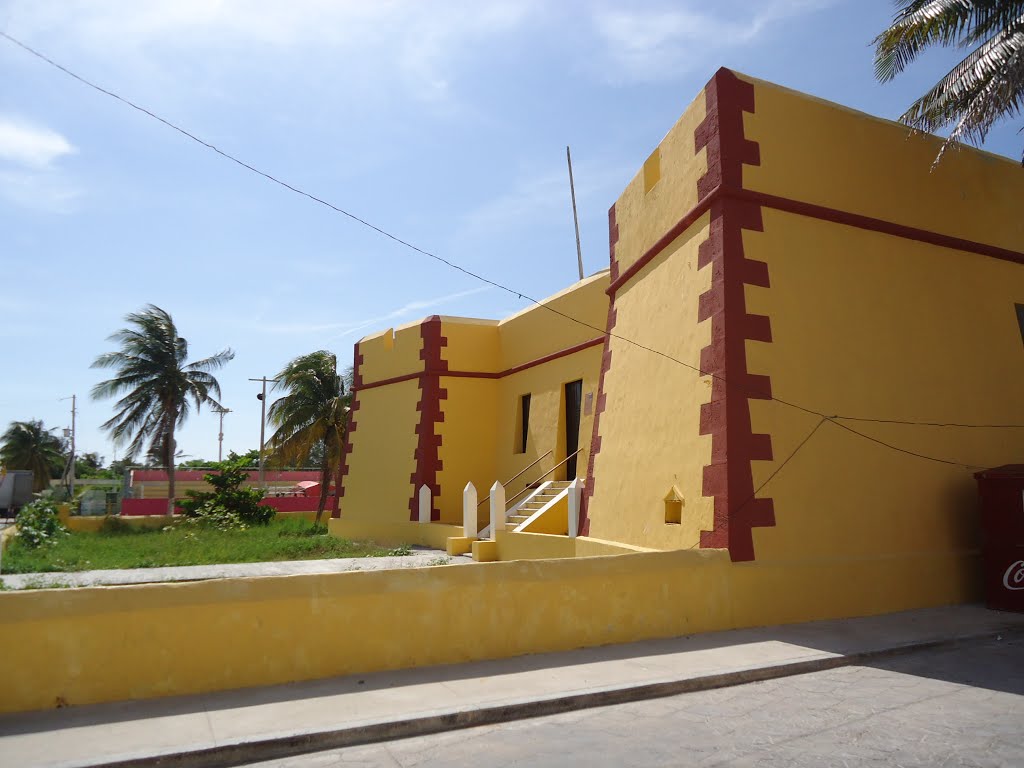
806, 342
776, 396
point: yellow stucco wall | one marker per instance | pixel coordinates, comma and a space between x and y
674, 194
824, 153
381, 463
412, 617
377, 485
536, 332
940, 344
467, 444
870, 324
650, 430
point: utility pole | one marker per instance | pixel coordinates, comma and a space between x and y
262, 397
575, 217
69, 472
220, 435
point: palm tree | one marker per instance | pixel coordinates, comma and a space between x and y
985, 87
311, 416
28, 445
157, 385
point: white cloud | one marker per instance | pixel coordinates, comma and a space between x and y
30, 175
347, 328
661, 42
25, 144
410, 43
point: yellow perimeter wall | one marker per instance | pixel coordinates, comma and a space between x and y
293, 627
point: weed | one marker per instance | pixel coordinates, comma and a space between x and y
38, 582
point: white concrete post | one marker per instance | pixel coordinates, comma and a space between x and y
425, 504
573, 497
469, 529
497, 509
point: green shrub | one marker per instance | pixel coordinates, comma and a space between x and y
39, 524
228, 505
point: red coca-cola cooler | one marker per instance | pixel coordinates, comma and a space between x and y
1002, 532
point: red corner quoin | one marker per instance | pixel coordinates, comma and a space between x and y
428, 444
343, 468
729, 478
606, 362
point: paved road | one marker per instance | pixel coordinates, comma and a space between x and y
960, 707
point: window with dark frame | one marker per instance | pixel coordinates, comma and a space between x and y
524, 425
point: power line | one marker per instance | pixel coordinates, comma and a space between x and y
452, 265
930, 423
904, 450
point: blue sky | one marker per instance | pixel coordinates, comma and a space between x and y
443, 122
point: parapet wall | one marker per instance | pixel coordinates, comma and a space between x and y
97, 644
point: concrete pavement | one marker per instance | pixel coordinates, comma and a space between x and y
959, 706
237, 727
419, 558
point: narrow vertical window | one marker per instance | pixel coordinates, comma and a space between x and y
1020, 319
524, 424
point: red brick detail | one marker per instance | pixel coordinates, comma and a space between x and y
606, 362
346, 451
721, 133
734, 445
428, 444
495, 375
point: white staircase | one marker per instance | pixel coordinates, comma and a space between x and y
534, 502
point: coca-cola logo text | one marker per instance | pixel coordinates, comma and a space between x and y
1014, 576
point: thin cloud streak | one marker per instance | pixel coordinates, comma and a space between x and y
341, 330
407, 309
653, 44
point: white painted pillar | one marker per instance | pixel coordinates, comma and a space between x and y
497, 509
425, 504
573, 497
469, 529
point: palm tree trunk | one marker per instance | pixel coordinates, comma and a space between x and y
325, 478
170, 471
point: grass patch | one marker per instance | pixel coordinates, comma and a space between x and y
120, 545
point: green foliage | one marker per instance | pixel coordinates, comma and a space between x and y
38, 524
29, 445
182, 544
311, 417
89, 465
228, 505
982, 89
156, 386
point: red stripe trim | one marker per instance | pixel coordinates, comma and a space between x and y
486, 375
813, 211
394, 380
880, 225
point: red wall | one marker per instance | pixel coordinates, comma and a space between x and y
135, 507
